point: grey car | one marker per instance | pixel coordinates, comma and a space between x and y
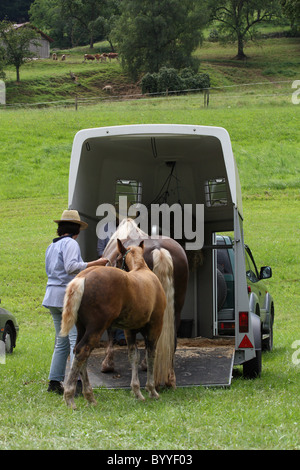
9, 330
261, 302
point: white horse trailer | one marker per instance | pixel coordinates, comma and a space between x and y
192, 165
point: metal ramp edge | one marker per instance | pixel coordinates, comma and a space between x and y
194, 366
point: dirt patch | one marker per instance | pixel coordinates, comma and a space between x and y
182, 343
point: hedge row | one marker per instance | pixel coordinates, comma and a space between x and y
169, 79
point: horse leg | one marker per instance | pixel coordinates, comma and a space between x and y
133, 355
150, 356
171, 382
83, 349
86, 386
70, 385
108, 361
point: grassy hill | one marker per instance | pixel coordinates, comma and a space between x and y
270, 60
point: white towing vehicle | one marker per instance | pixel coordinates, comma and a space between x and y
176, 164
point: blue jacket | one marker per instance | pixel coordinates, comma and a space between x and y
63, 262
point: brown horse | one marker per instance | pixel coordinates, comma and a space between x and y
99, 297
167, 259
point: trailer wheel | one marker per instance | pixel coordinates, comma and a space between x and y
252, 368
267, 343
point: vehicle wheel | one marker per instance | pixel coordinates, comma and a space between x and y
252, 368
8, 338
267, 343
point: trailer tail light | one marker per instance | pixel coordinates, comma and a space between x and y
243, 322
249, 289
227, 325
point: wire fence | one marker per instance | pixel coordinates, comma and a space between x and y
216, 95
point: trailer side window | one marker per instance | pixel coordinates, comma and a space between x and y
130, 188
215, 192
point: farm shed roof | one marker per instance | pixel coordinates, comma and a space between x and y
22, 25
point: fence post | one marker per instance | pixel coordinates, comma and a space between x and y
76, 103
206, 97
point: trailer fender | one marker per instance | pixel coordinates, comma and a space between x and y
256, 327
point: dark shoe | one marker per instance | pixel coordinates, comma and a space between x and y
56, 387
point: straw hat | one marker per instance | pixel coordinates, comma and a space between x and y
72, 216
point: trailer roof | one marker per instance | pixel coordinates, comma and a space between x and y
202, 157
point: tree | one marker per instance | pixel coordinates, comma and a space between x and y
15, 10
70, 24
291, 9
86, 13
16, 44
151, 34
237, 18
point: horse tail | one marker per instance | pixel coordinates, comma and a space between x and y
163, 366
72, 301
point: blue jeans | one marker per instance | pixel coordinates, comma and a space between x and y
63, 347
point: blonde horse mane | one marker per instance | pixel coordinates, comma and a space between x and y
127, 229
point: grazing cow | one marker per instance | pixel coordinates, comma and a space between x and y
88, 57
113, 55
108, 88
100, 57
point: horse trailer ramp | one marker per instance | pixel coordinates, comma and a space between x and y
208, 364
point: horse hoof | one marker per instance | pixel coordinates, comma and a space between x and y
70, 404
152, 393
92, 403
139, 396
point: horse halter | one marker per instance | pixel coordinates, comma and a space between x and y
123, 260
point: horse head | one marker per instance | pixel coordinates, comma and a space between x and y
136, 258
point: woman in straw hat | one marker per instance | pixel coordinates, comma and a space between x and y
63, 262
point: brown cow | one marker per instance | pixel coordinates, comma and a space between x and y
88, 57
113, 55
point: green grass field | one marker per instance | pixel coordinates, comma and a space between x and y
269, 61
34, 155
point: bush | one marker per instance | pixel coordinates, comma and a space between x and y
149, 83
169, 79
194, 81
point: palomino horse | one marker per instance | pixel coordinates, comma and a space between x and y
99, 297
167, 259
